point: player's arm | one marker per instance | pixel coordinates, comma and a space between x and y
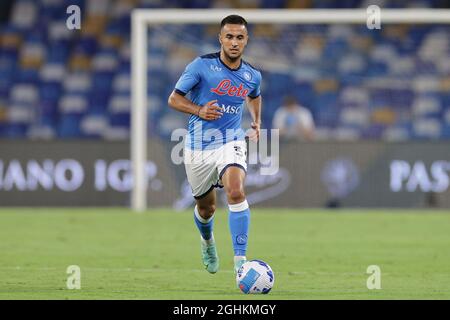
189, 79
210, 111
254, 107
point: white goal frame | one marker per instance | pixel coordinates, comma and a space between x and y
142, 18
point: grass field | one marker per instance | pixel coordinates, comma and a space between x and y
315, 254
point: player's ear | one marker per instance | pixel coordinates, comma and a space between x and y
246, 41
220, 38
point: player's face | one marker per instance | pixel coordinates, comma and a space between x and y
233, 38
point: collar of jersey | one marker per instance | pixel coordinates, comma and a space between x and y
240, 65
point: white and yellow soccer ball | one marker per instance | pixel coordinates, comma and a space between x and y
255, 277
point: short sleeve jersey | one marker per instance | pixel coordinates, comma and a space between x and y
207, 78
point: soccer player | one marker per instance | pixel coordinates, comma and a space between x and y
215, 151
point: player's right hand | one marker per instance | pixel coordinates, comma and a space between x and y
210, 111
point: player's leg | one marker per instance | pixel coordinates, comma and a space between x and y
239, 213
204, 214
202, 175
204, 220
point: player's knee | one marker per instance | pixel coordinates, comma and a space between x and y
206, 211
235, 195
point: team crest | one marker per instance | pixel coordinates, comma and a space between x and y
247, 76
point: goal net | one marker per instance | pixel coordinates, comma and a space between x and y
357, 80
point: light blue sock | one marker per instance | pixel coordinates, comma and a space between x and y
204, 226
239, 221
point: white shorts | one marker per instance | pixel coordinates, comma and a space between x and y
204, 168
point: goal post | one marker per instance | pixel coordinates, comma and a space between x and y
142, 18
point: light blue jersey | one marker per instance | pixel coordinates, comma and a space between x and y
208, 78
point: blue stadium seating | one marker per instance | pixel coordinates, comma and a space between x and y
78, 83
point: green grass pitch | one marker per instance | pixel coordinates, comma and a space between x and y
315, 254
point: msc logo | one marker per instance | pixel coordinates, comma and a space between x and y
230, 109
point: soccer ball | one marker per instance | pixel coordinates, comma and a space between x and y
255, 276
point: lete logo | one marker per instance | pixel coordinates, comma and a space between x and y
225, 88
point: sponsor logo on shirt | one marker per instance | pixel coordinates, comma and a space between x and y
226, 88
230, 109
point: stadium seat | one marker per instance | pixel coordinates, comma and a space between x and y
427, 129
93, 126
347, 75
397, 133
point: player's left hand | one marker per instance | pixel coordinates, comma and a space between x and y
254, 134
